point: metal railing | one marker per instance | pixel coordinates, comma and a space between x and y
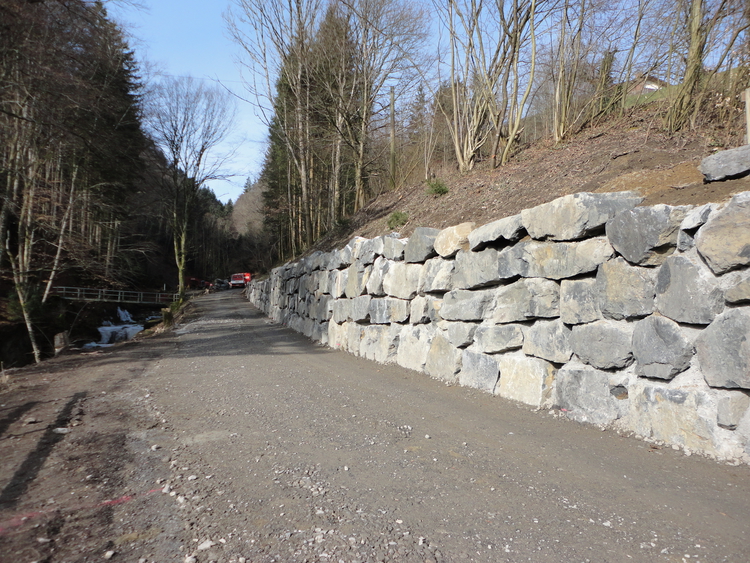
114, 295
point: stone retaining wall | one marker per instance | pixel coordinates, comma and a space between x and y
617, 315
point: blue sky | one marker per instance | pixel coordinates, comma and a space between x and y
189, 37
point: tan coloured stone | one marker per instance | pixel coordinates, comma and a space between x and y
449, 241
527, 380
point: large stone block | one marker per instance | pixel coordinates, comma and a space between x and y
356, 281
459, 334
693, 220
588, 394
375, 282
724, 241
725, 164
452, 239
359, 308
414, 345
486, 267
478, 370
603, 344
424, 309
340, 309
388, 310
436, 275
393, 248
646, 235
337, 283
574, 216
402, 280
524, 300
660, 347
506, 230
579, 301
498, 338
731, 407
557, 260
366, 252
723, 350
421, 245
527, 380
354, 333
337, 336
380, 343
443, 360
687, 292
549, 340
625, 291
738, 292
463, 305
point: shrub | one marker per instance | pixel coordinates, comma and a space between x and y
397, 219
436, 187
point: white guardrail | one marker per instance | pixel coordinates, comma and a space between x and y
114, 295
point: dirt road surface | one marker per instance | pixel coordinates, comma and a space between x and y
233, 439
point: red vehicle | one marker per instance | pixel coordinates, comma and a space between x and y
240, 280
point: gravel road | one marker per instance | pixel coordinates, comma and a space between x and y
233, 439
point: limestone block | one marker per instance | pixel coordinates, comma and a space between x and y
421, 245
723, 350
320, 333
323, 280
505, 230
603, 344
478, 370
646, 235
527, 380
402, 280
464, 305
579, 301
574, 216
443, 360
322, 308
366, 252
393, 248
380, 343
730, 408
452, 239
738, 292
337, 336
558, 260
625, 291
486, 267
690, 224
335, 260
724, 241
356, 281
524, 300
497, 338
549, 340
374, 284
725, 164
353, 337
436, 275
340, 309
459, 334
337, 283
388, 310
687, 292
660, 348
414, 345
588, 394
359, 308
378, 245
423, 310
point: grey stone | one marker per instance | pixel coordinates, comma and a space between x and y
413, 346
356, 281
375, 282
421, 245
321, 309
603, 344
483, 268
730, 408
402, 280
338, 282
378, 245
549, 340
724, 241
557, 260
687, 292
646, 235
478, 370
388, 310
579, 301
588, 395
452, 239
660, 348
524, 300
464, 305
506, 230
690, 224
459, 334
497, 338
724, 164
625, 291
436, 275
723, 350
359, 308
366, 252
574, 216
423, 310
354, 333
738, 292
443, 360
527, 380
340, 308
393, 248
380, 343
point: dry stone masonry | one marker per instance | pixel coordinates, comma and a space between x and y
637, 318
